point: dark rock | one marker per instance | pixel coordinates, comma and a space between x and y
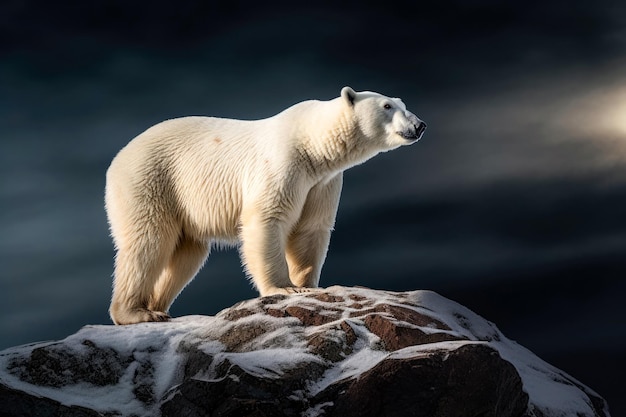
55, 365
333, 344
238, 393
235, 314
195, 359
236, 338
15, 403
311, 317
326, 297
396, 336
472, 380
338, 352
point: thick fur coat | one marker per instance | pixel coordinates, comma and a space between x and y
271, 185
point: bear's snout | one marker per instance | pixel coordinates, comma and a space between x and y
419, 129
416, 129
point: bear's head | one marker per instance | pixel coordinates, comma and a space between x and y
383, 121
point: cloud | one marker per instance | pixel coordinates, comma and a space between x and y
501, 226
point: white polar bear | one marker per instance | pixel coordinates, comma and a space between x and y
271, 184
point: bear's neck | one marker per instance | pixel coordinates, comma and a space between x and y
335, 150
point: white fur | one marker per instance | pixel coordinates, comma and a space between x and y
271, 184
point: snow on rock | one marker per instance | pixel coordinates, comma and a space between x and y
334, 352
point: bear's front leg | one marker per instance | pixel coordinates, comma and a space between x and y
306, 251
262, 252
308, 242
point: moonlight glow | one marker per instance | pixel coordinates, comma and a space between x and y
614, 118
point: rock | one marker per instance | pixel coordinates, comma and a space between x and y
47, 365
19, 403
337, 352
470, 381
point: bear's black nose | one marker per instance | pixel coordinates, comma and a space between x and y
420, 128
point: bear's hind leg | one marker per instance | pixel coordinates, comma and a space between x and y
188, 258
131, 291
138, 264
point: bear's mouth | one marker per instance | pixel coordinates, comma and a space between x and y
410, 136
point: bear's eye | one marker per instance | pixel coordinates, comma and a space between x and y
387, 106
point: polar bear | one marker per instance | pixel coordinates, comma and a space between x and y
271, 185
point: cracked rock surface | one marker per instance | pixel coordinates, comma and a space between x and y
334, 352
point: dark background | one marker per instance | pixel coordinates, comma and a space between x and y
513, 204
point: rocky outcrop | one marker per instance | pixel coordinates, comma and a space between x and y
337, 352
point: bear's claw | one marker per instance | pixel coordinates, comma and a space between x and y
300, 290
158, 316
138, 315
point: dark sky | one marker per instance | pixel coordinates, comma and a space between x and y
513, 204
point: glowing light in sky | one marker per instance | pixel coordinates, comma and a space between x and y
600, 111
614, 117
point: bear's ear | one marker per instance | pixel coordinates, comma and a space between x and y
348, 95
